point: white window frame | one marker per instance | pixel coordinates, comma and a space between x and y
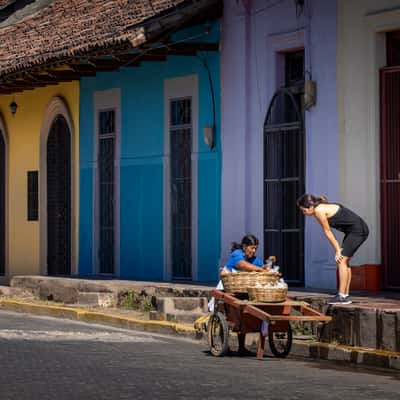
176, 88
106, 100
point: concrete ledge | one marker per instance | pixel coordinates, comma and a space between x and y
100, 318
66, 289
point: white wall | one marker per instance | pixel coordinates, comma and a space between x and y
361, 53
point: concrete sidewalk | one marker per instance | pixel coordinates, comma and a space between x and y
366, 332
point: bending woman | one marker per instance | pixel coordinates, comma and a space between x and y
243, 256
333, 215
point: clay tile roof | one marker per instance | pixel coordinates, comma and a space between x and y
66, 28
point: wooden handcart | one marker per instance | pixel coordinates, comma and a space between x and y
242, 317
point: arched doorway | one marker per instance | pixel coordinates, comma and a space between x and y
2, 202
284, 178
59, 198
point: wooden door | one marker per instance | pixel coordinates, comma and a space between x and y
2, 204
390, 174
59, 198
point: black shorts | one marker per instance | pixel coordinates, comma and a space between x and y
351, 243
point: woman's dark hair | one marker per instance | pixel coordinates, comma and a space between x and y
309, 200
248, 240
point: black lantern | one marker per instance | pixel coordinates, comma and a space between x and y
13, 107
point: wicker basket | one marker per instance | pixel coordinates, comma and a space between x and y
240, 281
268, 295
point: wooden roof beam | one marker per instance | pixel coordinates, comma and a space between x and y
153, 57
134, 60
191, 47
134, 63
15, 88
44, 79
64, 76
83, 69
179, 49
127, 60
104, 64
36, 79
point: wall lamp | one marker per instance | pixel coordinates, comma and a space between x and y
13, 107
310, 94
209, 136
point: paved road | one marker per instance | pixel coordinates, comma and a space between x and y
44, 358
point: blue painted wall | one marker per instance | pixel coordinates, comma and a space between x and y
142, 148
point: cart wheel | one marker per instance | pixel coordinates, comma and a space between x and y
280, 342
218, 334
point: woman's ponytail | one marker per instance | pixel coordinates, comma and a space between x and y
309, 200
248, 240
235, 246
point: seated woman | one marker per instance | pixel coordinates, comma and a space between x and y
243, 256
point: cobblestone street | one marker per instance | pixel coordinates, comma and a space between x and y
44, 358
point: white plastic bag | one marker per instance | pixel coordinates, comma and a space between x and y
220, 286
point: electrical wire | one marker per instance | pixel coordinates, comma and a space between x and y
206, 66
267, 7
256, 67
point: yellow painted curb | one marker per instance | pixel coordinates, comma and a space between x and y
134, 323
83, 315
39, 309
353, 355
343, 347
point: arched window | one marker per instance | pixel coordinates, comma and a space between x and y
284, 183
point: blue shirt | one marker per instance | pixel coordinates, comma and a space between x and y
238, 255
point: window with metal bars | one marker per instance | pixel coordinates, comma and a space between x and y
106, 190
181, 186
33, 195
294, 68
393, 48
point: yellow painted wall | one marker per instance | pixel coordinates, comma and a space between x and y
23, 147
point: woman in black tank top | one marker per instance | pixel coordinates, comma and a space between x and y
333, 215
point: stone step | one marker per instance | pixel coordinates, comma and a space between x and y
11, 291
182, 291
100, 299
171, 305
184, 317
64, 290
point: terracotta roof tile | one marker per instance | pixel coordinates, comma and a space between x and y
68, 28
